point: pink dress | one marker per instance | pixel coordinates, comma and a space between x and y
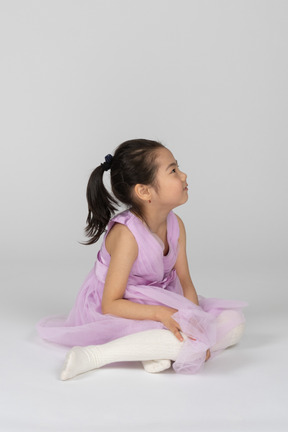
153, 280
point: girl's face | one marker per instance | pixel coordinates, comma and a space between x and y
171, 180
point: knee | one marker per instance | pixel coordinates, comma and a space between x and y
231, 317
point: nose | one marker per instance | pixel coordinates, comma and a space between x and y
183, 175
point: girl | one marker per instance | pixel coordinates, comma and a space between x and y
139, 303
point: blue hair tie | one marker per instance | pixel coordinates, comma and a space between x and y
108, 161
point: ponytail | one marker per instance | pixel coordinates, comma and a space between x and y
100, 205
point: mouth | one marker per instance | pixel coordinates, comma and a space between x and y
186, 187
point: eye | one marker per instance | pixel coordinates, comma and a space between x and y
174, 169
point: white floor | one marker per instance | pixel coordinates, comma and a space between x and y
243, 389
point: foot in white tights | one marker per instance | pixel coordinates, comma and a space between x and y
155, 366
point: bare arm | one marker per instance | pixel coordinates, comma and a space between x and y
123, 250
182, 268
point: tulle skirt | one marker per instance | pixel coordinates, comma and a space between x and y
86, 325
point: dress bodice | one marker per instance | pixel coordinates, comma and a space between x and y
150, 265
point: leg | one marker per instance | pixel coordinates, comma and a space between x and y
154, 344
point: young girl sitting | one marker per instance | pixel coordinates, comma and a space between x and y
139, 303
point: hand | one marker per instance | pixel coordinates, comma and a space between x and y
164, 316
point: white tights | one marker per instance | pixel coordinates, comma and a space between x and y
155, 348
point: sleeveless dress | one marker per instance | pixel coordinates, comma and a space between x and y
152, 281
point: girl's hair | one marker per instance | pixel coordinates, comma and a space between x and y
134, 162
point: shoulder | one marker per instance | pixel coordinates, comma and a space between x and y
182, 232
180, 223
121, 239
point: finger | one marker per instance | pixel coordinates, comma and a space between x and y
177, 333
207, 355
176, 324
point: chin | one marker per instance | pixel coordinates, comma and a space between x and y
181, 203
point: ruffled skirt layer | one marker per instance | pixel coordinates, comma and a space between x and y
86, 325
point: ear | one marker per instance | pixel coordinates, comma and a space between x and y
143, 192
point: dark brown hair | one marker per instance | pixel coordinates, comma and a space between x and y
134, 162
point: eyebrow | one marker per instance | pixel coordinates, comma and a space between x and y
172, 164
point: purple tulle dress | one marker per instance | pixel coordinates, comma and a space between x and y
152, 281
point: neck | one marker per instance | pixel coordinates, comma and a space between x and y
155, 219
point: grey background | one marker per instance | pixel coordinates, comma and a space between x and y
209, 80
